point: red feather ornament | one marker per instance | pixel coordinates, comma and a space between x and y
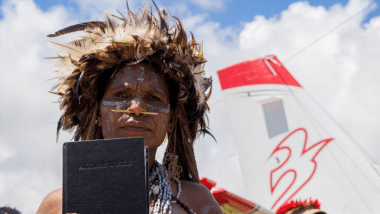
299, 206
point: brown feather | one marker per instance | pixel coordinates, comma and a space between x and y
65, 47
77, 27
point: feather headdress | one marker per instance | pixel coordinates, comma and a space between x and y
137, 37
300, 207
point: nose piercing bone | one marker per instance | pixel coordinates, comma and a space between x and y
128, 111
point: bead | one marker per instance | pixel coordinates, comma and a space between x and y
162, 193
156, 190
179, 188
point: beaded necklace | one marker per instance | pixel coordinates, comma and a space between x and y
162, 193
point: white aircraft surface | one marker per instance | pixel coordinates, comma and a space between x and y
288, 147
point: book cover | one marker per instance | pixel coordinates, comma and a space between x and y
106, 176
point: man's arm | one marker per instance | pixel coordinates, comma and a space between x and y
199, 198
209, 205
52, 203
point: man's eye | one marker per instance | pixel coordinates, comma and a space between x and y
120, 94
154, 98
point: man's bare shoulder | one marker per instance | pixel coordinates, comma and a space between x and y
52, 203
199, 198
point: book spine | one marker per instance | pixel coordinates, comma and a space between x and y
146, 150
64, 179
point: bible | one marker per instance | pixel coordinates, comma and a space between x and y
106, 176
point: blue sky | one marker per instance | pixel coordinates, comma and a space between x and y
231, 13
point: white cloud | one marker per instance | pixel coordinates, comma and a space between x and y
22, 189
27, 111
339, 71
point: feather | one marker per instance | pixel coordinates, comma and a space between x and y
77, 27
163, 24
56, 93
205, 131
133, 16
57, 57
144, 15
110, 23
124, 19
66, 47
165, 15
78, 83
59, 126
117, 17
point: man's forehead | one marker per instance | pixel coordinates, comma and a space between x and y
128, 74
140, 73
145, 67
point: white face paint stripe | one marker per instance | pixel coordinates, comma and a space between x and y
165, 110
123, 117
154, 79
161, 110
115, 103
140, 78
162, 129
128, 73
108, 123
151, 107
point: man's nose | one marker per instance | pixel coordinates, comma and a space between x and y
136, 107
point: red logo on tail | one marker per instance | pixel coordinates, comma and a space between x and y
284, 169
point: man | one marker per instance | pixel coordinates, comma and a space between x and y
8, 210
139, 78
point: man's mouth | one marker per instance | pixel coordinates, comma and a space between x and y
135, 130
130, 124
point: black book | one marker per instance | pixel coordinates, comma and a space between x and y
107, 176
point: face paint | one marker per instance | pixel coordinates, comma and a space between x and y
154, 79
165, 110
161, 110
116, 103
128, 74
123, 117
108, 123
140, 78
162, 128
152, 107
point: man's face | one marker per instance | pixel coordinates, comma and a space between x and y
137, 88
